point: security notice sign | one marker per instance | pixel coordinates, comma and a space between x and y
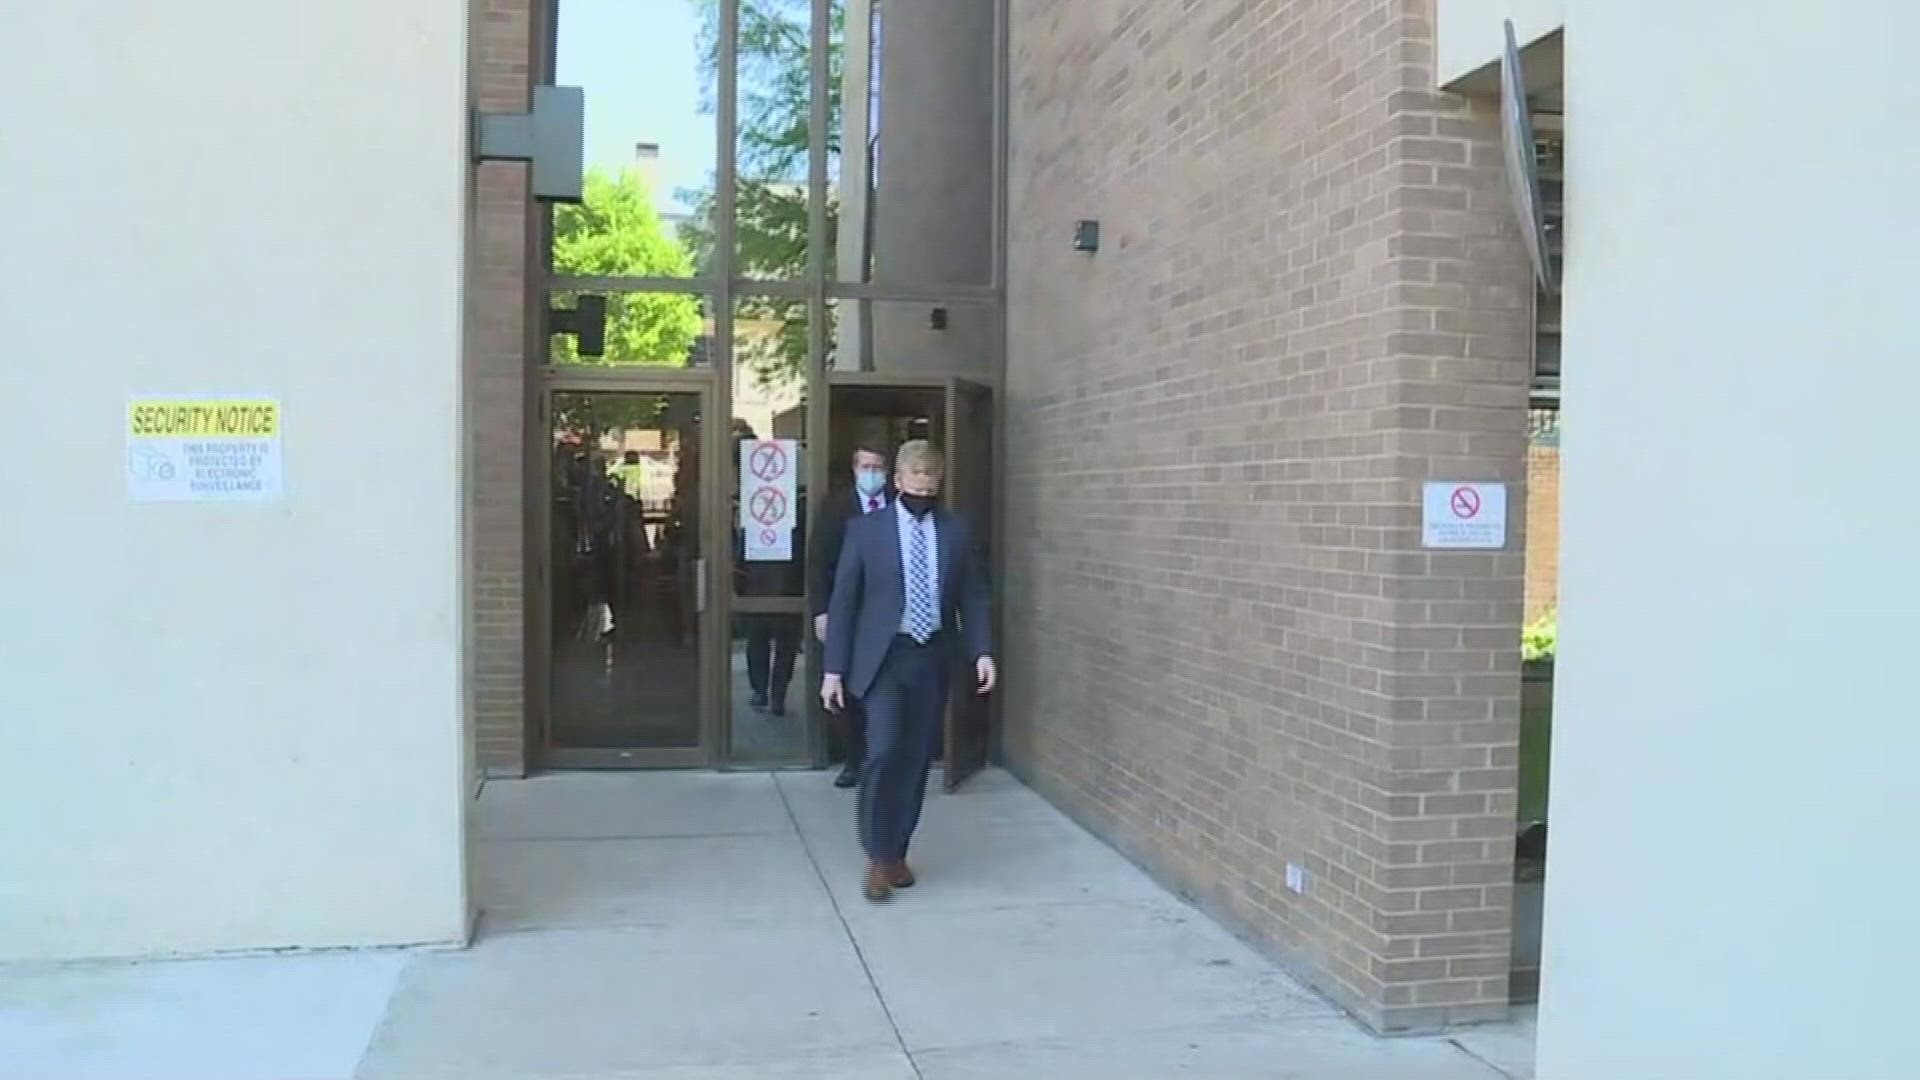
768, 500
203, 449
1457, 514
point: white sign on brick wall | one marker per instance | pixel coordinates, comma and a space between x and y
1463, 514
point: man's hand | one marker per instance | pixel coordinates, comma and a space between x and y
820, 628
832, 694
987, 673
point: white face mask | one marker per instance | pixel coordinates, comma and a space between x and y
871, 482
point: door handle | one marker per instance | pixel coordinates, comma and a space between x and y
700, 585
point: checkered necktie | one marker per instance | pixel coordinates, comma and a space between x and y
923, 615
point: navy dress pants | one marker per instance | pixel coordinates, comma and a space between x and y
903, 720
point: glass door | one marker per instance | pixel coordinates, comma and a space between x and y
768, 690
626, 580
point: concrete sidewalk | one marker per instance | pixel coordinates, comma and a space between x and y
709, 926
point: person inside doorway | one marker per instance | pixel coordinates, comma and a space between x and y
631, 475
870, 493
596, 553
773, 639
910, 590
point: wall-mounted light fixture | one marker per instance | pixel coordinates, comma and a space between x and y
585, 322
1086, 236
937, 318
551, 136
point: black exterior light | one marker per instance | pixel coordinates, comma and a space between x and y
585, 322
1086, 236
937, 318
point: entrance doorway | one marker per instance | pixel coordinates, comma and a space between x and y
750, 261
665, 641
883, 411
624, 563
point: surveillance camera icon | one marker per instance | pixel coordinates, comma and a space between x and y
146, 463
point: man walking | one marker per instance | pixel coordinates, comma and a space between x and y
773, 640
909, 592
869, 495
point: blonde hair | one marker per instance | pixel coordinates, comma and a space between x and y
920, 455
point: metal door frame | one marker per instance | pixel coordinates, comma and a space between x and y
720, 286
957, 465
950, 387
724, 603
711, 638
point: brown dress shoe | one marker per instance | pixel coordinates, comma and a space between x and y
879, 886
902, 877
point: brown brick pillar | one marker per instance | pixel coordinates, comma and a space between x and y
500, 298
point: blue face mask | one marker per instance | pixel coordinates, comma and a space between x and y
871, 482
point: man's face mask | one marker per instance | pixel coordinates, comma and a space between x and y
871, 482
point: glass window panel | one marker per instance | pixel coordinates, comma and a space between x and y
641, 329
651, 142
771, 706
625, 539
768, 460
911, 141
770, 710
773, 123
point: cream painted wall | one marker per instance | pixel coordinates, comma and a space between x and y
1472, 33
241, 726
1732, 890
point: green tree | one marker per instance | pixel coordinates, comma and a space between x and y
615, 230
770, 202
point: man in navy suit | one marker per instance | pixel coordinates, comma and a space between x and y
869, 495
909, 594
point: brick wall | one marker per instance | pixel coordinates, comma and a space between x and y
1543, 528
498, 301
1227, 650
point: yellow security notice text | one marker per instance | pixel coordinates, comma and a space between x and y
229, 418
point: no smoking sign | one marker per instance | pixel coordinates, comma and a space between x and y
767, 462
768, 505
769, 500
1464, 515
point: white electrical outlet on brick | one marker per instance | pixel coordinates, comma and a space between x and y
1296, 879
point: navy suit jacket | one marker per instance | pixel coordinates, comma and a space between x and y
870, 595
841, 509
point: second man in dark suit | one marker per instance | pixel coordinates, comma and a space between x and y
870, 494
909, 597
